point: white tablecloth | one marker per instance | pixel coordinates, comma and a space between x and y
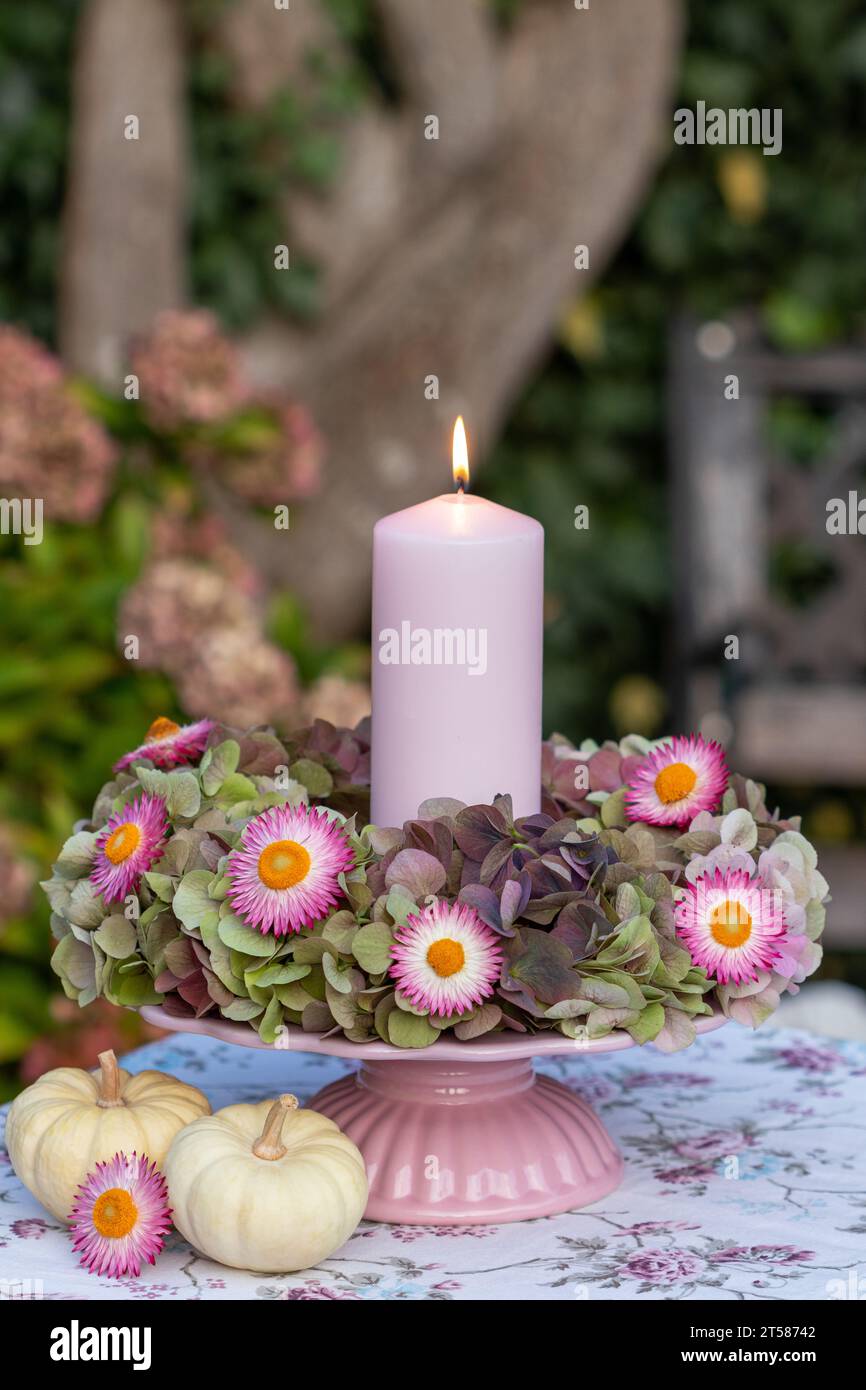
745, 1179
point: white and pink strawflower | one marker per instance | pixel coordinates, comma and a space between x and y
446, 959
733, 925
120, 1216
285, 875
676, 781
167, 744
128, 845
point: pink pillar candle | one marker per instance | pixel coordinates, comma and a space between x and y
457, 651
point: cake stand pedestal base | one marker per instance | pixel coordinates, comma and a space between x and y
459, 1133
474, 1142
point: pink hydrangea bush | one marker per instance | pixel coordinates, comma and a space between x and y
50, 447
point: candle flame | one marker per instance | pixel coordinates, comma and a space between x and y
460, 455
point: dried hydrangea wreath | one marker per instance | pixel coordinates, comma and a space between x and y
236, 874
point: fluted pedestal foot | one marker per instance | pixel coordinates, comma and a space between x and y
471, 1143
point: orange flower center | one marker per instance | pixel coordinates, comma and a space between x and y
115, 1213
674, 782
161, 728
123, 842
446, 957
730, 923
283, 864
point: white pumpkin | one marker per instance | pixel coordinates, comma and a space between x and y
70, 1120
266, 1187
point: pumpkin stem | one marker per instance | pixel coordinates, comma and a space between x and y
269, 1145
109, 1081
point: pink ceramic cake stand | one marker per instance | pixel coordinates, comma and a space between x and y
459, 1133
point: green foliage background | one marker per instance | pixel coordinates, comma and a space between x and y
784, 234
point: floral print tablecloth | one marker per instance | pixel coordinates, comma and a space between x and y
745, 1179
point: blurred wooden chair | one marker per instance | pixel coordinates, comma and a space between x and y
791, 707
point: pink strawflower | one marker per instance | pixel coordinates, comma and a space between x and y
445, 959
733, 925
676, 780
128, 845
167, 744
285, 875
120, 1216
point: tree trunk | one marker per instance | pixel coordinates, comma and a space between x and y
450, 258
124, 220
469, 280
